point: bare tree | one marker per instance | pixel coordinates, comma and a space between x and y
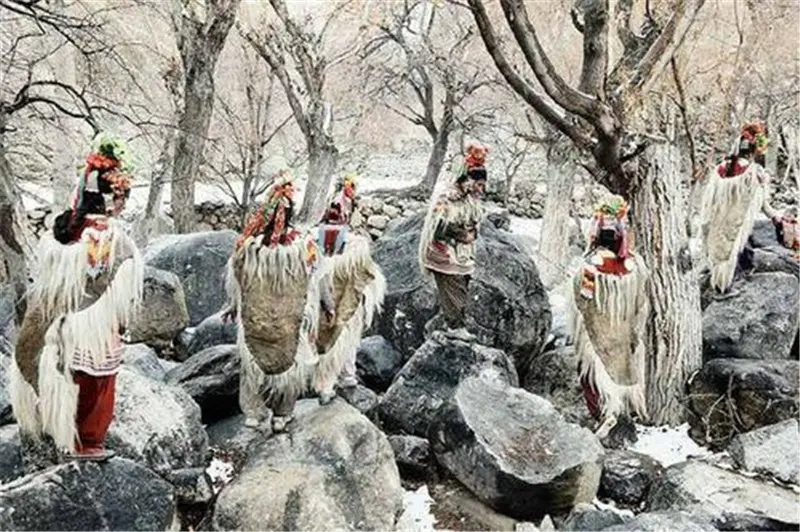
605, 118
421, 73
296, 55
201, 29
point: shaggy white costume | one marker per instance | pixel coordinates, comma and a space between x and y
83, 293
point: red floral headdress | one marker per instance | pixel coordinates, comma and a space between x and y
612, 214
756, 134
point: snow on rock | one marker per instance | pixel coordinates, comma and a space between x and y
416, 516
668, 445
220, 472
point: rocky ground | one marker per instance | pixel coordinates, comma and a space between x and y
443, 432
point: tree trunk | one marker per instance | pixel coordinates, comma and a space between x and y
193, 123
441, 140
674, 332
554, 242
159, 177
16, 238
321, 167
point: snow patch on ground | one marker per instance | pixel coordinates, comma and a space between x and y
416, 516
220, 472
668, 445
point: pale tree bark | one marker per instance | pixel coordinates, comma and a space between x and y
606, 128
556, 224
674, 335
201, 34
441, 140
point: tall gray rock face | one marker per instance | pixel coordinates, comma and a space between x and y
114, 495
760, 322
514, 451
725, 499
508, 307
333, 470
430, 378
199, 260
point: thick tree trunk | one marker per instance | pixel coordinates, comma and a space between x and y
436, 160
16, 238
321, 168
554, 242
674, 341
193, 123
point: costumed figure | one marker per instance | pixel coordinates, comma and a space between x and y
358, 290
88, 283
737, 190
787, 230
447, 242
609, 320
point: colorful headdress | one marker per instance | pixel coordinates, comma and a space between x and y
113, 147
611, 214
755, 134
349, 180
106, 170
271, 215
474, 164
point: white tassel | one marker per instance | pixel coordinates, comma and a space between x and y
24, 402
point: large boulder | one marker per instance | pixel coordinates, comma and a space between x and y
199, 260
114, 495
628, 476
776, 259
210, 332
728, 396
333, 470
769, 451
760, 322
211, 378
412, 454
156, 424
554, 376
514, 451
725, 499
587, 517
163, 313
143, 359
508, 307
430, 378
11, 464
377, 363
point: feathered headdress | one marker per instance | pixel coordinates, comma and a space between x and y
611, 214
474, 161
109, 161
755, 134
110, 146
272, 211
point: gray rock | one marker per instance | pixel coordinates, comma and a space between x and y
508, 307
587, 517
728, 396
210, 332
6, 413
142, 358
377, 363
775, 259
430, 378
231, 435
412, 454
114, 495
628, 476
769, 451
199, 260
554, 376
156, 424
333, 470
378, 221
192, 485
7, 338
361, 398
163, 312
661, 521
514, 451
211, 378
725, 499
760, 322
11, 465
764, 235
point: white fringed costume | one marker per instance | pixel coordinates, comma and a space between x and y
608, 331
286, 347
730, 207
83, 293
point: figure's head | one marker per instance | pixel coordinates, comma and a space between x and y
348, 185
475, 169
106, 173
753, 141
610, 226
114, 148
